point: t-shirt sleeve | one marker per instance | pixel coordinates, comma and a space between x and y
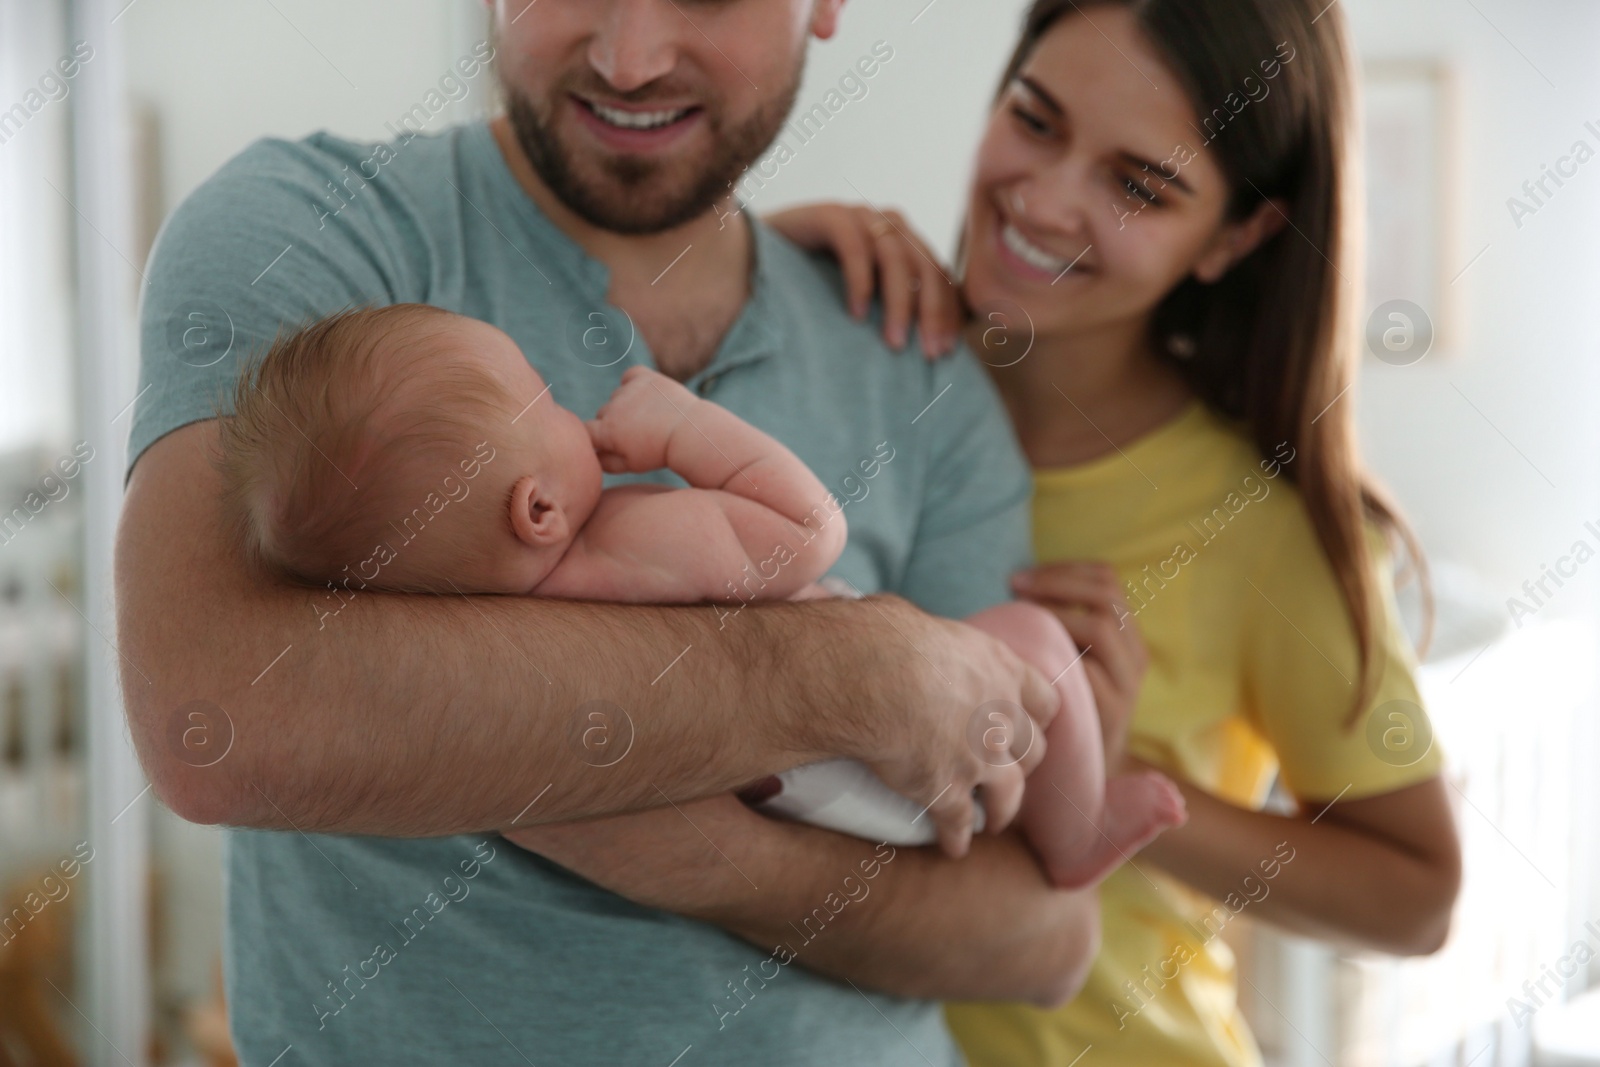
258, 247
973, 531
1302, 673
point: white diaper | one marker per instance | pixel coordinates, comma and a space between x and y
844, 795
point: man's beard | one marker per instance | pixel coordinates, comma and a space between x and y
638, 195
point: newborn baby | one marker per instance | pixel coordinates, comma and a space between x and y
424, 445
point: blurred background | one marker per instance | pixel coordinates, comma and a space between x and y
1483, 424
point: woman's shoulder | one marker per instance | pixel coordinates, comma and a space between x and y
1218, 466
1243, 474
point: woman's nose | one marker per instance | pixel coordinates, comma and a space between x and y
1058, 200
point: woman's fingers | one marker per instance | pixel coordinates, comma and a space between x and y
880, 254
1088, 599
1072, 580
939, 304
933, 297
898, 281
842, 235
857, 259
1119, 649
837, 229
1115, 663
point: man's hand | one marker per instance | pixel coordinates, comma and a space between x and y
923, 724
632, 430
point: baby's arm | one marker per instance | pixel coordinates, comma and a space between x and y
740, 477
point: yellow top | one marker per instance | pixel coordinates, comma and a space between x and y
1253, 668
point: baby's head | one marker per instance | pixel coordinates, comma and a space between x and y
406, 448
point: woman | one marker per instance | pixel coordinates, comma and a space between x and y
1159, 243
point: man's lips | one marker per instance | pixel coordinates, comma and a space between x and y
634, 128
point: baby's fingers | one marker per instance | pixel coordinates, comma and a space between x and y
600, 433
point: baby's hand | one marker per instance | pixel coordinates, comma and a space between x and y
631, 430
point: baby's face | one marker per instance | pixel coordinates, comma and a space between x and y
547, 452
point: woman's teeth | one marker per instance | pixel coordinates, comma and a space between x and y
636, 120
1032, 254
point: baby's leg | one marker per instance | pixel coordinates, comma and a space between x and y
1081, 825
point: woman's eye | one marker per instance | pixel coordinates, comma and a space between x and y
1033, 123
1141, 190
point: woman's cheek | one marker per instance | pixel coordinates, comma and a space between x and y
1151, 259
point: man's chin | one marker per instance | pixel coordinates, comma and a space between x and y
637, 203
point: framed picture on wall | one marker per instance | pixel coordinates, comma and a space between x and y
1413, 192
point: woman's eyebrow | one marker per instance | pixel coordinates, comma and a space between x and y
1160, 171
1050, 103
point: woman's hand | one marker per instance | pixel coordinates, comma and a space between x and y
1087, 598
879, 252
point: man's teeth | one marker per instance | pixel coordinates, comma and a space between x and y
1030, 253
637, 120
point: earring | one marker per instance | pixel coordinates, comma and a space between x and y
1181, 346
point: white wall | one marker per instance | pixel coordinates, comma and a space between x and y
35, 236
220, 75
908, 143
1507, 490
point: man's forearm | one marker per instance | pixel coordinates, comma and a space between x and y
986, 927
907, 921
256, 702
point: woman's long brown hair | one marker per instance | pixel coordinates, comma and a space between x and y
1274, 344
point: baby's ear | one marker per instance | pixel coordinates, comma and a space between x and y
536, 518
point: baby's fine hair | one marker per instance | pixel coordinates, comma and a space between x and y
331, 444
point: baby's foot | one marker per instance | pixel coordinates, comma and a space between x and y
1138, 807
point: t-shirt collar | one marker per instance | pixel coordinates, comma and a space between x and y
755, 332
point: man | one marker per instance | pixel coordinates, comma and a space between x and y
354, 732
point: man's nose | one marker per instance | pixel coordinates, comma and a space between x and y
636, 42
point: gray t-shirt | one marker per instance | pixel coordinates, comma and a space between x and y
466, 949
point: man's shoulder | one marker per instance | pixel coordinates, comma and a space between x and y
806, 276
328, 199
283, 233
809, 287
325, 150
333, 171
